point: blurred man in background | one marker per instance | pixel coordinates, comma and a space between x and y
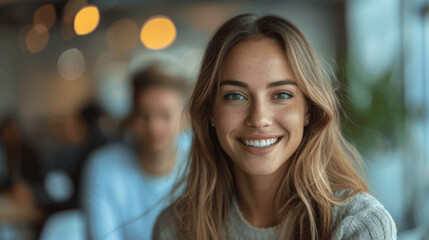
126, 185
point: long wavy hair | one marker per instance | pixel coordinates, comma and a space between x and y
324, 161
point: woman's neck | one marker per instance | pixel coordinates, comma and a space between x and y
256, 198
159, 163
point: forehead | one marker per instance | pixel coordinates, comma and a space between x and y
259, 59
156, 97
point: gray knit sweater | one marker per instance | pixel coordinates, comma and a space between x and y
360, 217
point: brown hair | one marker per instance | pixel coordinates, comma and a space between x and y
324, 162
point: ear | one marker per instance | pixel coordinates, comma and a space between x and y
307, 115
308, 110
211, 121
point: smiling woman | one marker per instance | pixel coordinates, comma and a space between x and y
260, 115
268, 158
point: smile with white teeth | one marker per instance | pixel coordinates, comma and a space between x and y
260, 143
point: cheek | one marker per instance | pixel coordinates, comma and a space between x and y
139, 130
139, 126
292, 122
175, 126
227, 120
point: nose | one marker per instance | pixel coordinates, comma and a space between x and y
259, 115
155, 126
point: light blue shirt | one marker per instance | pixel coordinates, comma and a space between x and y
120, 199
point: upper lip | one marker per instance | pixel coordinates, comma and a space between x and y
260, 136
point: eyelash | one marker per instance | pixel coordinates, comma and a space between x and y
289, 95
234, 96
230, 97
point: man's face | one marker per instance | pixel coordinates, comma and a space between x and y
158, 118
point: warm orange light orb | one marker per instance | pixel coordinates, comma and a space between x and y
86, 20
45, 15
158, 32
37, 38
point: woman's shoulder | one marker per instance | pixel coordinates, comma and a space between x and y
165, 225
361, 216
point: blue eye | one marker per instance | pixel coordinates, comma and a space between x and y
283, 96
234, 96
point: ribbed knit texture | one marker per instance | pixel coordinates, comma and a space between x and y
360, 217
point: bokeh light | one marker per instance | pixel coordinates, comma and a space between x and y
190, 61
71, 64
86, 20
59, 185
206, 17
69, 12
45, 15
22, 36
122, 35
37, 38
158, 32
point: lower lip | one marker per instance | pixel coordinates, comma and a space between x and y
260, 151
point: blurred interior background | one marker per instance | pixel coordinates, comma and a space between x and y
65, 67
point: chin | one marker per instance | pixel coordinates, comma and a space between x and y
156, 147
260, 169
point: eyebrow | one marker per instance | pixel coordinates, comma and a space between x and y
245, 85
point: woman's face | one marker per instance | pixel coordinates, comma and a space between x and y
158, 119
259, 112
